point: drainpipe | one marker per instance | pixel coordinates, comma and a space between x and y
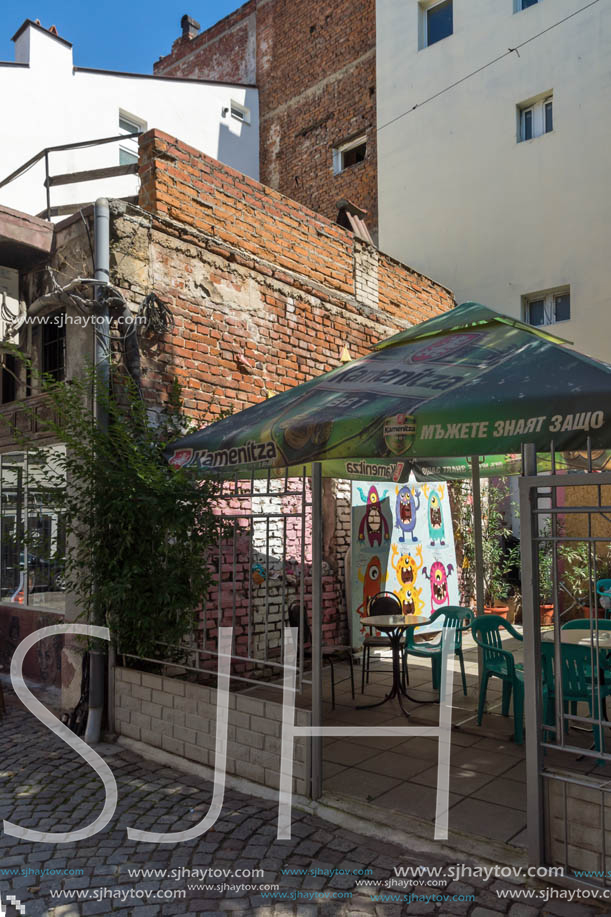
102, 372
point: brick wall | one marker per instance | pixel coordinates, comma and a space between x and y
314, 64
180, 718
265, 293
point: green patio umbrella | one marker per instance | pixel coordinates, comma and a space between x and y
468, 382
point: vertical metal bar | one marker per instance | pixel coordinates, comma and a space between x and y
304, 501
283, 587
532, 663
251, 530
2, 525
604, 839
266, 622
26, 532
234, 563
566, 825
477, 532
316, 627
47, 185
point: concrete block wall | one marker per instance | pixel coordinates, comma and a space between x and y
588, 816
180, 718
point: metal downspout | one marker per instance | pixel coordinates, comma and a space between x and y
102, 373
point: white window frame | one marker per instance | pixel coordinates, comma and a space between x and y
548, 297
338, 153
537, 106
423, 30
239, 112
130, 144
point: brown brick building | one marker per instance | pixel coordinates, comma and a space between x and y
314, 63
263, 292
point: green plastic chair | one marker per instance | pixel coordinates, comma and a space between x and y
601, 624
576, 684
499, 663
462, 619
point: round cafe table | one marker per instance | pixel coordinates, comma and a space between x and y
394, 627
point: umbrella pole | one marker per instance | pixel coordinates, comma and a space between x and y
478, 536
479, 550
316, 627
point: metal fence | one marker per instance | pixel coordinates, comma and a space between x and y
262, 565
566, 544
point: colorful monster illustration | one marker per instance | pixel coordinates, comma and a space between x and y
411, 600
406, 509
372, 581
437, 529
405, 566
374, 520
438, 579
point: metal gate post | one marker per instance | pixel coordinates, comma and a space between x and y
529, 552
316, 627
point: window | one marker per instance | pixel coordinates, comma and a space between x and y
349, 154
128, 148
535, 117
33, 533
436, 22
53, 346
524, 4
240, 112
548, 308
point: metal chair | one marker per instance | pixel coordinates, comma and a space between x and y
462, 618
499, 663
330, 653
383, 603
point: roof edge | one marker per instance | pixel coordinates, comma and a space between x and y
36, 25
154, 76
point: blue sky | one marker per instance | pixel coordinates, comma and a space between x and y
111, 34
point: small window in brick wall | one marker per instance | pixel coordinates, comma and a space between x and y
349, 154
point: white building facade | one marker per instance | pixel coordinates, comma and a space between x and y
498, 186
47, 102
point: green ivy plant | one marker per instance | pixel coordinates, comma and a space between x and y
139, 531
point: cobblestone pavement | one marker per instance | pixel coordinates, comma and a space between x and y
44, 785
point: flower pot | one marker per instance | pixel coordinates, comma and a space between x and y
502, 610
547, 614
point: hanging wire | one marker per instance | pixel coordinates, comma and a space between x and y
501, 57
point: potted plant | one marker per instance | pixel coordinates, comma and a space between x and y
546, 560
498, 559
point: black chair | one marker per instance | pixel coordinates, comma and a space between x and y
384, 603
330, 654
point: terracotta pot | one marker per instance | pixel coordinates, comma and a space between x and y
547, 614
587, 612
502, 610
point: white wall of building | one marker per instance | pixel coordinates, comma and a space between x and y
459, 198
46, 102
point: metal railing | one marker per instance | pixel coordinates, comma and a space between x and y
69, 178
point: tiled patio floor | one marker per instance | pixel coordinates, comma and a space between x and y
487, 774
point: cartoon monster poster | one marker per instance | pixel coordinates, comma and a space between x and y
402, 542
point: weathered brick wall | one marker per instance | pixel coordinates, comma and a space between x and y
265, 293
180, 718
225, 52
315, 67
